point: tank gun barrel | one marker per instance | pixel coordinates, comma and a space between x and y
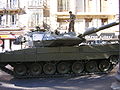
94, 30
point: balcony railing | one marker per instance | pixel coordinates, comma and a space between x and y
12, 11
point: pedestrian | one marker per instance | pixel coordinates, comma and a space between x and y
37, 28
71, 22
11, 40
3, 45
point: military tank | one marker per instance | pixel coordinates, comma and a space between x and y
61, 55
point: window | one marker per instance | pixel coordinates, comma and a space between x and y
35, 2
103, 6
1, 19
13, 19
80, 5
13, 3
35, 18
63, 5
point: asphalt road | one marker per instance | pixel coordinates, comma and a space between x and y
88, 82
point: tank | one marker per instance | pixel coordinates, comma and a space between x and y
51, 55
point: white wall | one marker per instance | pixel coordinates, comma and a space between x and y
53, 11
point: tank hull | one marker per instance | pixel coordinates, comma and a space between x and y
84, 52
52, 61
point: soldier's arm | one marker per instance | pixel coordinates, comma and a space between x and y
73, 18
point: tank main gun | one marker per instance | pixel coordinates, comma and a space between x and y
97, 29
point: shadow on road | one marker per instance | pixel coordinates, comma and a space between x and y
94, 82
87, 82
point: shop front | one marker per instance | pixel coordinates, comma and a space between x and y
6, 41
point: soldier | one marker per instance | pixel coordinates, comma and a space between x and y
71, 21
37, 28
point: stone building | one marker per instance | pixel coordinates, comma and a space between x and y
27, 14
10, 12
88, 12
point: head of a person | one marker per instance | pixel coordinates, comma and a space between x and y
37, 28
70, 12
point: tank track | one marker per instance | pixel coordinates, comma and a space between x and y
58, 75
68, 75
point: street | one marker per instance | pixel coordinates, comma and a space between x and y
88, 82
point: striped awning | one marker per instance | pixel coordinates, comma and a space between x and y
7, 36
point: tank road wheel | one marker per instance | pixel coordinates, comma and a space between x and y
91, 66
63, 67
114, 59
104, 65
77, 67
35, 69
20, 69
49, 68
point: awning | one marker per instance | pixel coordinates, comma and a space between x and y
7, 36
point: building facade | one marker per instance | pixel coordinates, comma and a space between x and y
18, 16
88, 13
54, 14
10, 12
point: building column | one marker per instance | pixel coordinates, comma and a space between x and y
53, 17
73, 6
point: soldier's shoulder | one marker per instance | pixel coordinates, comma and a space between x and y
73, 15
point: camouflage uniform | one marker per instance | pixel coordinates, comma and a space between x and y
71, 22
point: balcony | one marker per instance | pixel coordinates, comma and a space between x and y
11, 11
63, 16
